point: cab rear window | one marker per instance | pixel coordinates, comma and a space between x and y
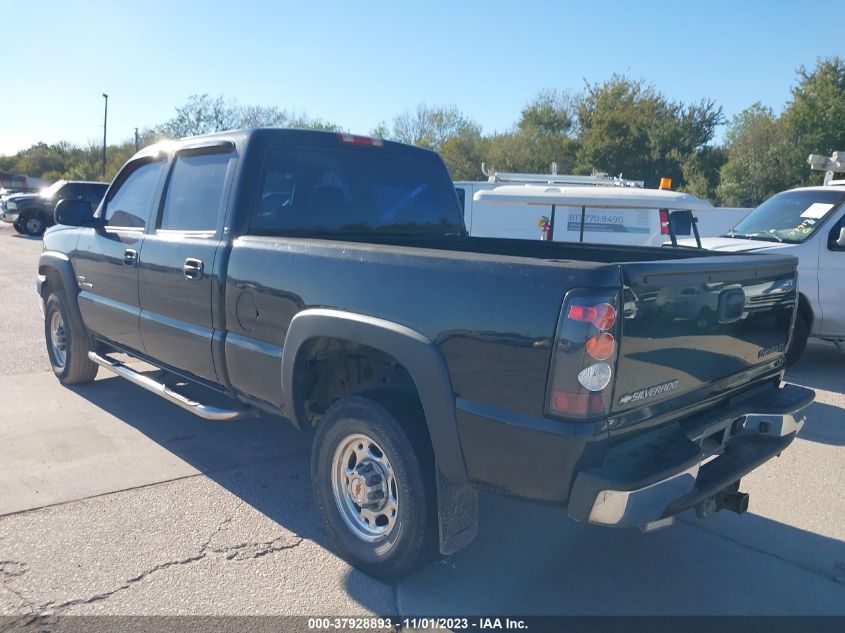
351, 191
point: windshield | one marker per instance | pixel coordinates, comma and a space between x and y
791, 216
48, 192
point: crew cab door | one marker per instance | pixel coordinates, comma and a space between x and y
831, 271
178, 278
106, 260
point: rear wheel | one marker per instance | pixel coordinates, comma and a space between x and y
374, 485
798, 343
68, 343
17, 226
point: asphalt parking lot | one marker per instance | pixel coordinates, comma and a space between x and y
115, 502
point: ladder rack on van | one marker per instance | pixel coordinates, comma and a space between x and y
597, 179
680, 207
831, 165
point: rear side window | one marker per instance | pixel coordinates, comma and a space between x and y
462, 195
345, 191
95, 193
131, 204
69, 192
195, 192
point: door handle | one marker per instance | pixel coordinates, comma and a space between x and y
193, 268
130, 257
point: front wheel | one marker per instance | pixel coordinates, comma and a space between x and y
68, 343
374, 485
33, 225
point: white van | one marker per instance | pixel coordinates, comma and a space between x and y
808, 222
522, 219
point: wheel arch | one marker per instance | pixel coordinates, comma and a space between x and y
805, 310
55, 272
416, 353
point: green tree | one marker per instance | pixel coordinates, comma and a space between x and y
430, 127
628, 127
761, 158
203, 114
815, 116
463, 154
541, 136
701, 171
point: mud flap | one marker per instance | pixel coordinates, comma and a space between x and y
457, 513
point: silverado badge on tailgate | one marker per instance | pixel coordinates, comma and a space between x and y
649, 392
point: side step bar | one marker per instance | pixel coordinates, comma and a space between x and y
204, 411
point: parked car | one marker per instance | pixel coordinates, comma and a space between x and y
33, 213
10, 213
329, 279
809, 223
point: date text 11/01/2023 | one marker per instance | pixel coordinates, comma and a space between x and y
414, 624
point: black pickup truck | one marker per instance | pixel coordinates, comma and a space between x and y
32, 214
328, 278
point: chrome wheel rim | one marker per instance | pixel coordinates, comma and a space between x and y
365, 488
33, 225
58, 339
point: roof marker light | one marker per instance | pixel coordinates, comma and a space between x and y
355, 139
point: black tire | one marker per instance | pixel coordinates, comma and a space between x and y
798, 343
76, 367
412, 539
18, 227
33, 224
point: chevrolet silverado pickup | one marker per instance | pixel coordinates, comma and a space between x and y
329, 279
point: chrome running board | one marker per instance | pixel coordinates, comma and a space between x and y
204, 411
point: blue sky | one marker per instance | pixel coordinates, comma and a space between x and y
358, 63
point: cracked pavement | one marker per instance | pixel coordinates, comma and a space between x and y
114, 502
181, 547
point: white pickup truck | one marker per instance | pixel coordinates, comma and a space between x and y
808, 222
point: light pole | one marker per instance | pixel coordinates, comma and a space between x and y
105, 121
136, 139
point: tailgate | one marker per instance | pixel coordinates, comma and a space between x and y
691, 323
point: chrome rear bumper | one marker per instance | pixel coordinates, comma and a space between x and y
663, 474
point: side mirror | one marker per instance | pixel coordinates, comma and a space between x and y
73, 212
680, 222
839, 243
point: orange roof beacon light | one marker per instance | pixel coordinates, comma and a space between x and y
665, 183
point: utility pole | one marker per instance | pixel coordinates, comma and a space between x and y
105, 121
136, 139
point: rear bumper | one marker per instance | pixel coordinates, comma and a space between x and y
671, 470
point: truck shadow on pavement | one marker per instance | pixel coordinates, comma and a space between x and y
825, 424
822, 366
531, 560
264, 460
527, 559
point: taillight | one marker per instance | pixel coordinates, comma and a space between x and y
602, 315
664, 221
581, 374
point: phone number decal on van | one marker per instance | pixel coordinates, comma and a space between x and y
606, 223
